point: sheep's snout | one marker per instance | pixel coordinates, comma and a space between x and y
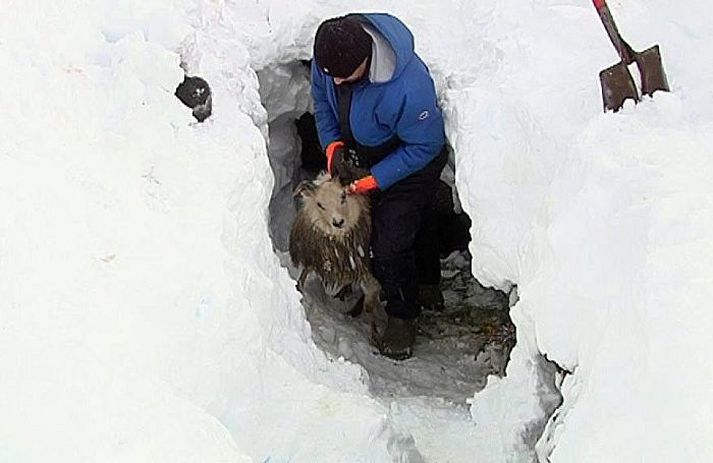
338, 222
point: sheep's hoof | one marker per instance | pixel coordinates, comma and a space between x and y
374, 337
358, 308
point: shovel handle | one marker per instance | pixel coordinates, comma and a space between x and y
623, 48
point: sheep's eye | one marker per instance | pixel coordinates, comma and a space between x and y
321, 207
344, 197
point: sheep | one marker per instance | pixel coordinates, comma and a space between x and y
330, 236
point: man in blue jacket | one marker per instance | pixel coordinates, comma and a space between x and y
376, 109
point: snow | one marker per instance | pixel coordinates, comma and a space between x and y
145, 316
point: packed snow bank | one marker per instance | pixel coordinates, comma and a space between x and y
142, 308
105, 297
648, 209
603, 220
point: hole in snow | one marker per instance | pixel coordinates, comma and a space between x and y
456, 349
195, 93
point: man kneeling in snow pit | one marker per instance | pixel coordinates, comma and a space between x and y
376, 109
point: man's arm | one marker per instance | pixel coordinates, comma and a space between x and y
419, 125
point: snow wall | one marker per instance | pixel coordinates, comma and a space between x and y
144, 316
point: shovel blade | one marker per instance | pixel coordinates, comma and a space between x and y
617, 86
653, 77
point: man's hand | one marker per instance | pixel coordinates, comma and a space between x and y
340, 163
363, 185
334, 148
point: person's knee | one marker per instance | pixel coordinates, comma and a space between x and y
394, 268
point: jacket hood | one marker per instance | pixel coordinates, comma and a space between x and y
398, 37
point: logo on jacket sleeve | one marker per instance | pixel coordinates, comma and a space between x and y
423, 115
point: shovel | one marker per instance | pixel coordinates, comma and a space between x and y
617, 82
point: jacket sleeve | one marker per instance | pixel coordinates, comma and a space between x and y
419, 125
326, 120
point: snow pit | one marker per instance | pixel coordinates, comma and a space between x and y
456, 349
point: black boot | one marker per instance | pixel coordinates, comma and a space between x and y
398, 339
430, 298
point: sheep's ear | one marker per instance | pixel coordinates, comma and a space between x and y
342, 181
305, 188
323, 177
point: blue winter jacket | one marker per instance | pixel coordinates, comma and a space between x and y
403, 103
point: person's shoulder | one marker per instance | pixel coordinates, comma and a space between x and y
415, 76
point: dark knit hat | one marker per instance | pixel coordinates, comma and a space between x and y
340, 46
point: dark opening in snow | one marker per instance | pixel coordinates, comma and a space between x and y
195, 93
456, 348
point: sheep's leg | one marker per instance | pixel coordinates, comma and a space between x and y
358, 307
372, 306
301, 279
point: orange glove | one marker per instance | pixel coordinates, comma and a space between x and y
363, 185
331, 149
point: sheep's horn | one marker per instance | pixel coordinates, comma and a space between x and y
305, 186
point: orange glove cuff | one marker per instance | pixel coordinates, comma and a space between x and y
364, 185
330, 150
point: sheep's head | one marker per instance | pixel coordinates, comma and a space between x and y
329, 207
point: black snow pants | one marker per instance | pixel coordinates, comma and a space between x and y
404, 240
404, 235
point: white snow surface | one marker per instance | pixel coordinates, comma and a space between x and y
145, 317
